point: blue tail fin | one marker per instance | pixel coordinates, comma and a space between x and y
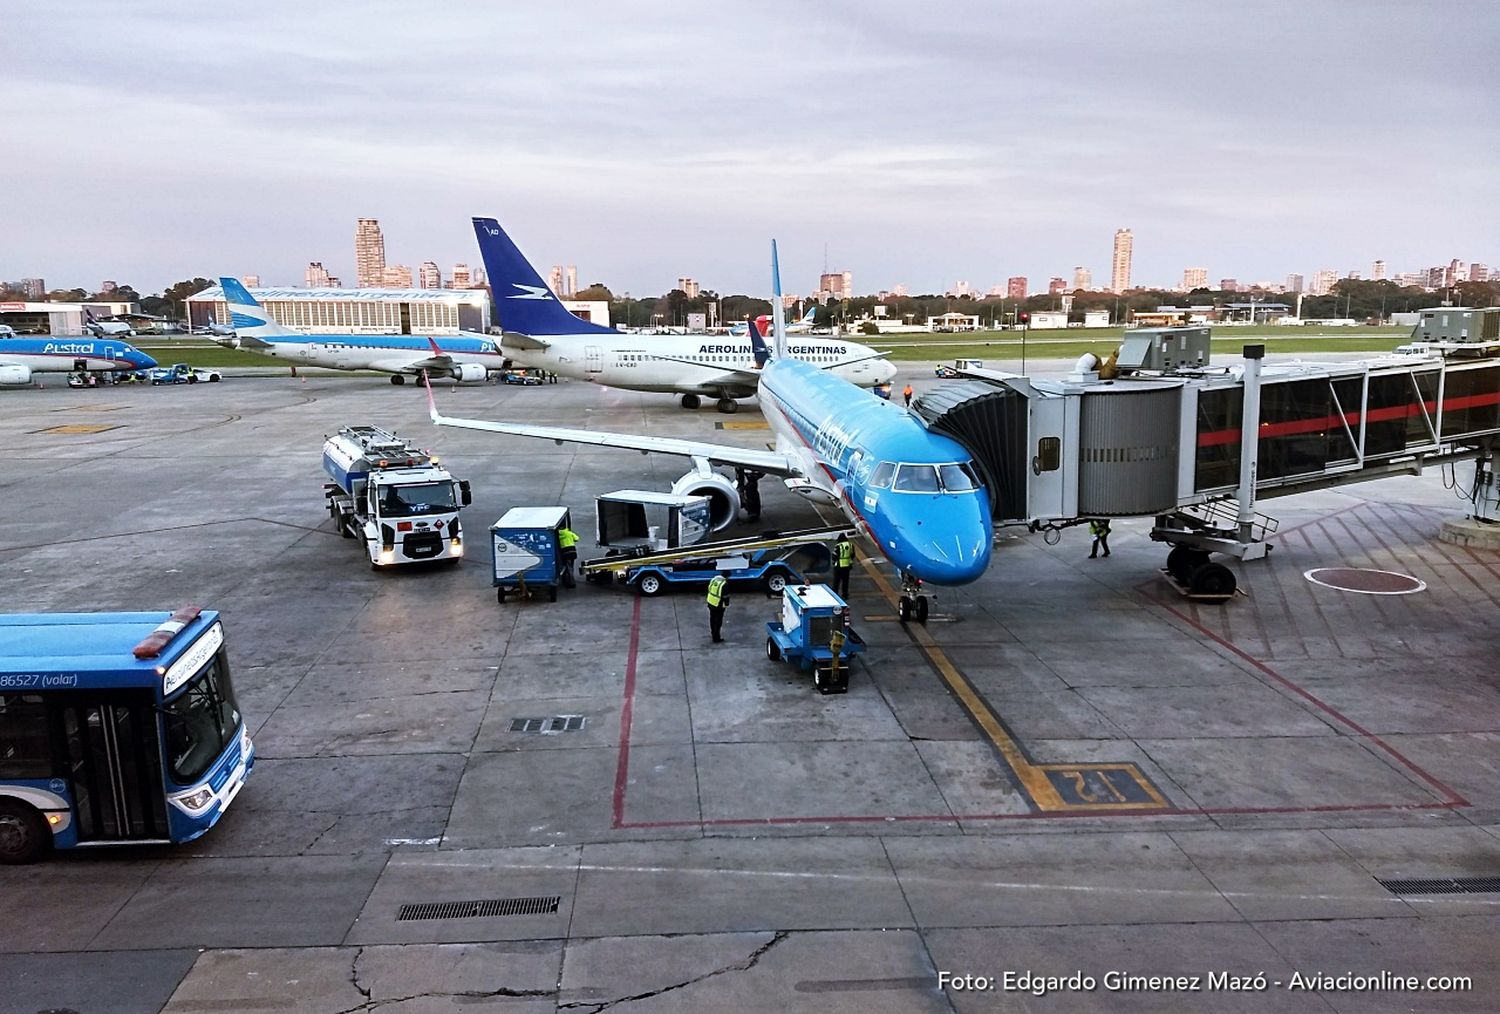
522, 299
245, 314
757, 344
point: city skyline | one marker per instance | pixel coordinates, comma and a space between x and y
312, 117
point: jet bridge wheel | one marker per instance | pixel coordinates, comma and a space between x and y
1212, 580
728, 406
1183, 561
691, 401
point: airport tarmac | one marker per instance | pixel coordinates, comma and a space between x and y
1069, 769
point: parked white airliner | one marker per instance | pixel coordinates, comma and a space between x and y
539, 332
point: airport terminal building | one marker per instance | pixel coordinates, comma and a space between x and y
357, 311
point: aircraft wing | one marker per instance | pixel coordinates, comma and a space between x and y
243, 342
749, 378
439, 362
770, 462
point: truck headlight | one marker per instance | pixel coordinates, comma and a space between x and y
458, 546
387, 556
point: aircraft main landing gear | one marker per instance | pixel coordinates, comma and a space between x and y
397, 379
691, 401
728, 406
912, 604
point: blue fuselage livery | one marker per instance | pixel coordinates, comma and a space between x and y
935, 523
21, 357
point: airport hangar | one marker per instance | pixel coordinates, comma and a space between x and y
59, 318
374, 311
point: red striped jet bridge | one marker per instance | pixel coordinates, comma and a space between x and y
1158, 431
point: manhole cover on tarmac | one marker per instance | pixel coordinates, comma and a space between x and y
1365, 581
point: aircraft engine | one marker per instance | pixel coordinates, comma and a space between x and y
17, 376
470, 373
723, 498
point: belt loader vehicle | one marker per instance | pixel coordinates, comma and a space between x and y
393, 496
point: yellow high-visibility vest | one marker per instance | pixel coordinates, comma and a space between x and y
716, 590
567, 537
843, 554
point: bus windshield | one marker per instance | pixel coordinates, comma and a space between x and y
417, 499
201, 720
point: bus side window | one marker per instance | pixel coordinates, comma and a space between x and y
25, 750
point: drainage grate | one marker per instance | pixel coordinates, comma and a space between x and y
548, 726
1443, 885
477, 909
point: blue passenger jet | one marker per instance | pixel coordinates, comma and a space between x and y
21, 357
467, 358
915, 494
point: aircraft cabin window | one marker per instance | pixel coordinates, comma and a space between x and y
882, 476
917, 479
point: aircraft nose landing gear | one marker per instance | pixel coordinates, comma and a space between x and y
912, 604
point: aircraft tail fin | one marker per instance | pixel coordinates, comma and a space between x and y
778, 308
248, 317
757, 343
523, 301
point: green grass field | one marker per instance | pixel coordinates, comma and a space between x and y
1001, 345
1074, 342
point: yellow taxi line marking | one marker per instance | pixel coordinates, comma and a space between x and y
1032, 777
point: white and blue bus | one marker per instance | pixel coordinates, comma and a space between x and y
115, 728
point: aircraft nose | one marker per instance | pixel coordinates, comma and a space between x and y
143, 361
943, 540
958, 558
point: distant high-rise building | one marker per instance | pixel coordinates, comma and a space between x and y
688, 286
1119, 265
1479, 272
1436, 276
369, 253
462, 278
1229, 285
1194, 278
316, 276
996, 291
396, 276
1455, 272
108, 286
479, 277
1056, 286
960, 289
570, 280
1015, 287
1411, 278
34, 288
1353, 276
899, 289
428, 276
1294, 282
1323, 281
1378, 274
250, 281
837, 285
555, 280
1083, 278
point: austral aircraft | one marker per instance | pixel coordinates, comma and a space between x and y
21, 357
540, 332
914, 493
467, 358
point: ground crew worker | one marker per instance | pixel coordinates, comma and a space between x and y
906, 393
843, 561
752, 494
567, 542
718, 599
1099, 529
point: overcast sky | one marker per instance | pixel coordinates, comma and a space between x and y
923, 144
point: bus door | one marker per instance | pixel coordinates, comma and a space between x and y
593, 359
112, 748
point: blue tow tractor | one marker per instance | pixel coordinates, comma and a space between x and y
814, 633
526, 551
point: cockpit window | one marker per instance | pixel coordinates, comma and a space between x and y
959, 478
882, 476
917, 479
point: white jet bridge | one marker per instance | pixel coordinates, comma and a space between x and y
1161, 433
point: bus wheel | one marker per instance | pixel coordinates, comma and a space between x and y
23, 832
